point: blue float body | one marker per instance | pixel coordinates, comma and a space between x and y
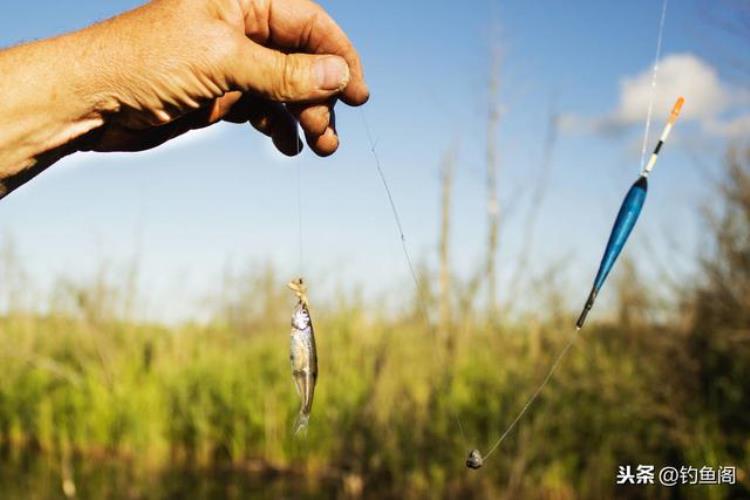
626, 219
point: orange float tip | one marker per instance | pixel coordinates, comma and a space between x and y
676, 109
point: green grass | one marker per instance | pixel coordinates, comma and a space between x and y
384, 406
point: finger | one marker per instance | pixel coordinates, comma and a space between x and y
283, 77
304, 25
273, 120
269, 118
284, 133
327, 143
314, 118
224, 105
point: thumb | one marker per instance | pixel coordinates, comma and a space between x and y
289, 77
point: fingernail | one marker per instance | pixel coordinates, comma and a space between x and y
332, 73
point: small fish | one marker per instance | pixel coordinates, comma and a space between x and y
303, 355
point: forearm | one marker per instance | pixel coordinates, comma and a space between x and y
51, 92
170, 66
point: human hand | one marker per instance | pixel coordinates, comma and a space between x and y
176, 65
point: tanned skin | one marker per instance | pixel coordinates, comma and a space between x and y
142, 78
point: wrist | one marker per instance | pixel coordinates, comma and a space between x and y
52, 94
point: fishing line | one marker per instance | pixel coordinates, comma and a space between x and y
300, 239
301, 255
475, 459
533, 397
415, 278
404, 247
394, 210
653, 82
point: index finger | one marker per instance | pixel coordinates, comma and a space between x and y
305, 25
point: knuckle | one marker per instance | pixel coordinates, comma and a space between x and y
291, 78
316, 119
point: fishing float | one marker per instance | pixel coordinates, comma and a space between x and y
627, 216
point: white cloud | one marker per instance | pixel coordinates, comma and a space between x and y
707, 98
678, 75
736, 128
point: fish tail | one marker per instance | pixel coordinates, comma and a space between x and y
303, 418
300, 425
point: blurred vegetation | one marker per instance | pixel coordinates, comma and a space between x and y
84, 385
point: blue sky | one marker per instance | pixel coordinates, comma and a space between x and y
221, 198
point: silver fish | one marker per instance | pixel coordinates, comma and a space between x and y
303, 356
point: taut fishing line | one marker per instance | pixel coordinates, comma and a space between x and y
654, 71
394, 210
533, 397
300, 239
475, 460
404, 247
